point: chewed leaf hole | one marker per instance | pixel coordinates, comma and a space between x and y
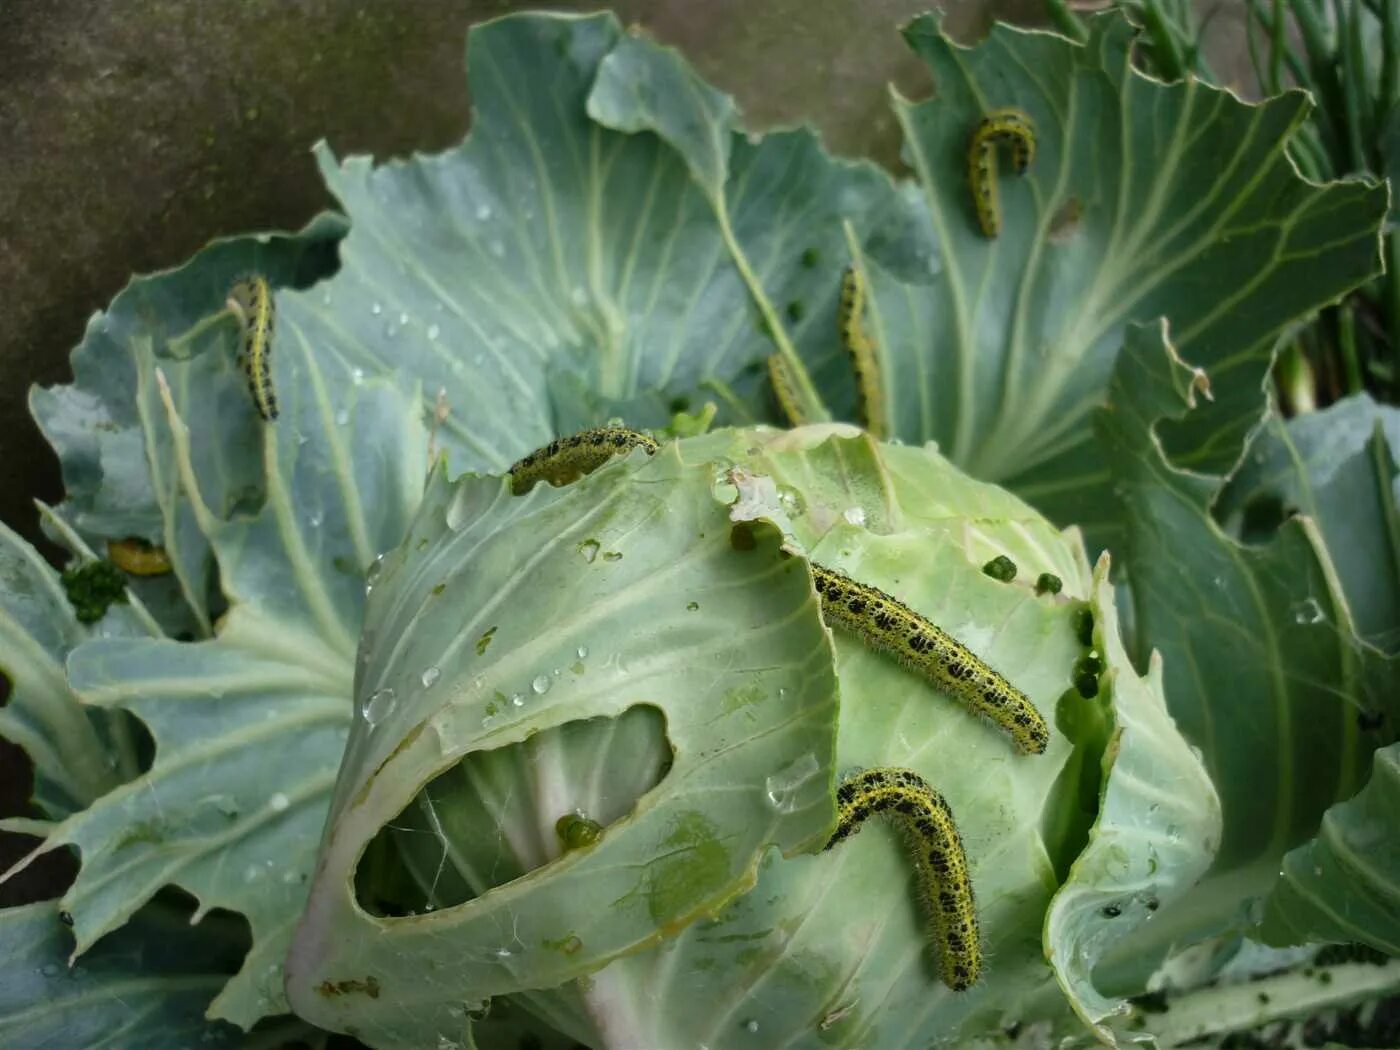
497, 815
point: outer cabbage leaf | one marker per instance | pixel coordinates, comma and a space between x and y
503, 617
119, 460
250, 726
1144, 199
1262, 666
1337, 467
78, 754
603, 243
145, 987
1344, 884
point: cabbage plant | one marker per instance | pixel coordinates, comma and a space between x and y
477, 767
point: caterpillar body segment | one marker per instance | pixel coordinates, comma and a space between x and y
785, 391
135, 556
567, 459
251, 299
860, 348
939, 860
1009, 127
888, 624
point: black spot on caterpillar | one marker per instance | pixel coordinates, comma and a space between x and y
860, 347
251, 300
137, 557
888, 624
1010, 126
569, 458
1048, 583
944, 883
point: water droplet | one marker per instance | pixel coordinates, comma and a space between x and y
483, 212
326, 298
376, 309
854, 515
1308, 611
503, 953
582, 651
403, 317
380, 705
751, 1026
357, 375
278, 802
430, 676
433, 331
372, 574
497, 249
540, 684
518, 700
49, 970
252, 873
589, 549
578, 296
785, 787
342, 417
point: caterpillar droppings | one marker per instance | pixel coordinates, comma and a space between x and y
860, 347
135, 556
567, 459
251, 300
1010, 126
888, 624
939, 860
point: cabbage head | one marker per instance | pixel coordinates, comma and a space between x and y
599, 729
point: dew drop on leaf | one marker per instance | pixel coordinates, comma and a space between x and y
380, 705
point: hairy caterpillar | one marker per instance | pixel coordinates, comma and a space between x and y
1001, 125
784, 390
932, 837
567, 459
884, 622
137, 557
251, 300
888, 624
850, 322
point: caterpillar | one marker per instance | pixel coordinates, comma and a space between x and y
137, 557
784, 391
850, 323
567, 459
883, 622
932, 836
888, 624
251, 300
1001, 125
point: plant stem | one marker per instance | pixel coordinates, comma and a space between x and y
1346, 341
1165, 46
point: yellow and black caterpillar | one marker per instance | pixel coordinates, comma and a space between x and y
569, 458
1009, 126
251, 300
888, 624
860, 347
939, 860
